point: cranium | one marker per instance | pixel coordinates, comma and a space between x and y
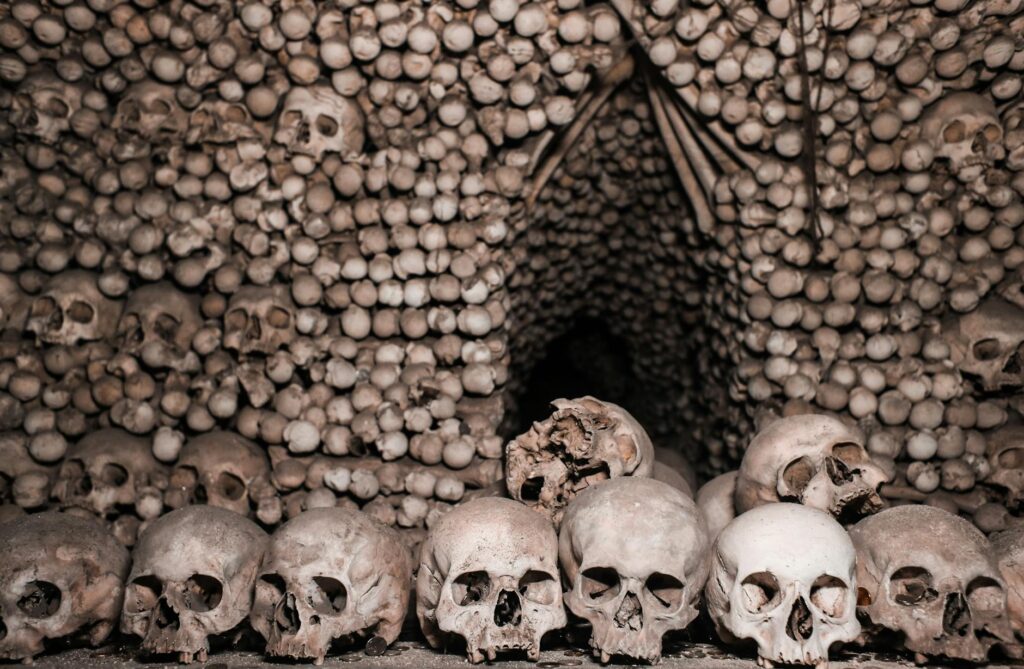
316, 119
782, 576
71, 309
161, 318
106, 469
62, 576
988, 343
259, 318
43, 105
150, 110
715, 499
330, 574
220, 469
489, 573
1006, 457
635, 553
1008, 548
583, 442
192, 577
931, 576
217, 121
964, 129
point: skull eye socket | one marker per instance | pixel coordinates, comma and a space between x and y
600, 584
166, 327
235, 114
666, 589
992, 132
797, 475
1011, 458
326, 125
235, 320
160, 107
471, 588
985, 594
828, 594
80, 312
44, 306
230, 486
143, 594
538, 587
114, 475
954, 132
761, 592
987, 349
849, 453
202, 593
279, 318
41, 599
909, 586
329, 596
57, 107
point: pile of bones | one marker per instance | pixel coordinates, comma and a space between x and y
275, 277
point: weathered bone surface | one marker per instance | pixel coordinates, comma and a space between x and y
716, 501
220, 469
1008, 549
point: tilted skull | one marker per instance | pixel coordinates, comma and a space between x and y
61, 576
72, 309
489, 573
583, 442
988, 343
220, 469
965, 130
715, 499
259, 318
106, 469
1009, 553
931, 576
1006, 457
635, 553
783, 576
192, 577
43, 105
150, 111
159, 321
315, 120
331, 574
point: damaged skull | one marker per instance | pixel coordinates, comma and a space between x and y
71, 309
963, 128
315, 120
259, 318
220, 469
988, 344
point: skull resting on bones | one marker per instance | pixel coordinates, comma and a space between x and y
635, 554
1006, 455
316, 119
61, 576
260, 319
964, 129
988, 343
813, 459
159, 321
583, 442
192, 577
782, 576
150, 110
931, 576
71, 309
330, 574
489, 574
220, 469
43, 105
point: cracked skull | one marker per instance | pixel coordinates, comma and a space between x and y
71, 309
635, 553
220, 469
330, 574
794, 599
583, 442
988, 344
964, 129
192, 578
931, 576
315, 120
489, 573
159, 322
62, 576
259, 319
813, 459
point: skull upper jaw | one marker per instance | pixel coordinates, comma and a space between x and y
485, 637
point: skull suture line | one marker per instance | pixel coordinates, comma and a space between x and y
964, 129
315, 120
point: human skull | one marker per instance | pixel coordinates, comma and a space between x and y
988, 343
61, 576
782, 576
1008, 548
159, 320
715, 501
316, 119
330, 574
192, 577
217, 121
106, 469
150, 110
220, 469
43, 105
489, 573
930, 575
964, 129
72, 309
635, 554
1013, 128
1006, 457
583, 442
259, 318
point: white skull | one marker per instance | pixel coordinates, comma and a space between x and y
221, 469
489, 574
812, 459
160, 318
583, 442
316, 119
331, 574
150, 110
72, 309
105, 470
782, 575
43, 105
259, 318
192, 577
61, 576
988, 343
964, 129
931, 575
635, 554
715, 499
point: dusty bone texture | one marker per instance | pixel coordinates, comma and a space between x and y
488, 573
330, 576
192, 578
795, 600
635, 553
939, 584
61, 577
221, 469
585, 441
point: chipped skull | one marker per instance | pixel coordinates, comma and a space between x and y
939, 585
794, 599
315, 120
259, 319
192, 577
489, 573
43, 105
988, 343
330, 574
636, 554
61, 577
964, 129
71, 309
220, 469
159, 320
150, 110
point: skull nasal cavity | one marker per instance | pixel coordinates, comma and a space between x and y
166, 617
41, 599
956, 617
800, 625
508, 610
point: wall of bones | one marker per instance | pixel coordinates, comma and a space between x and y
277, 278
